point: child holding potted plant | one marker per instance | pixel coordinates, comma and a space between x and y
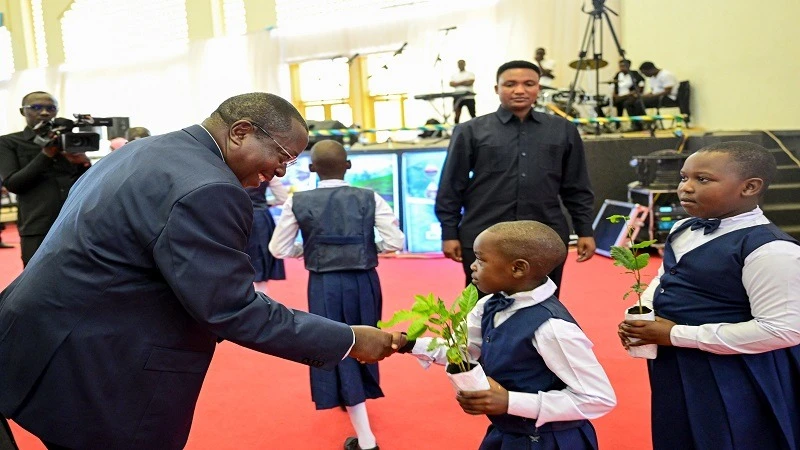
727, 304
544, 380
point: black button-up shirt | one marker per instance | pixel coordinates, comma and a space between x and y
500, 169
41, 183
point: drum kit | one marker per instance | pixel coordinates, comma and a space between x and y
557, 101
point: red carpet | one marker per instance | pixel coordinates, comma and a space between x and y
253, 401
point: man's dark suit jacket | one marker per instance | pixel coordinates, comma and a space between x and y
106, 336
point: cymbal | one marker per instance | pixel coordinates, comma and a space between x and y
544, 88
588, 64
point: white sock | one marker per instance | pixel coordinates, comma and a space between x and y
360, 420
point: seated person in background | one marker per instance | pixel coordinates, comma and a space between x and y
545, 381
546, 66
627, 84
338, 223
137, 133
663, 92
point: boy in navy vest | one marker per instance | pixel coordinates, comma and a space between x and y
727, 301
545, 381
337, 223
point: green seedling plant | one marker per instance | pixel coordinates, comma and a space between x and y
430, 313
632, 258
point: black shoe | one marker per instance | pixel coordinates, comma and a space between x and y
351, 443
4, 245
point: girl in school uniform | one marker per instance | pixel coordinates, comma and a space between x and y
727, 300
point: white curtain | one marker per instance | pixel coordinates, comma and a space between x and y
166, 95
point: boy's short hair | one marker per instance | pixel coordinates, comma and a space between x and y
518, 64
532, 241
751, 160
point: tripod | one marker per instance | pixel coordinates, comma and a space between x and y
594, 28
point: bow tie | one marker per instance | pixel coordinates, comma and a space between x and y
708, 225
497, 303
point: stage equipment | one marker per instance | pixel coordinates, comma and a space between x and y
664, 217
659, 169
589, 64
321, 125
594, 28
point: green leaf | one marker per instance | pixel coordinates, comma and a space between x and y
403, 315
644, 244
454, 356
623, 256
421, 308
641, 261
617, 218
434, 344
416, 329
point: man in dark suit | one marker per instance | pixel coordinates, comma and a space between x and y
106, 337
41, 177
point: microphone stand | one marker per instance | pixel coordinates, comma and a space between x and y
445, 115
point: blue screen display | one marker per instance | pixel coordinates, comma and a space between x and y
376, 171
421, 172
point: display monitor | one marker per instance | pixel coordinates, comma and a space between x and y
607, 234
421, 172
376, 171
298, 178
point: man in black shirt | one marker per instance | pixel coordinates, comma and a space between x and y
41, 177
514, 164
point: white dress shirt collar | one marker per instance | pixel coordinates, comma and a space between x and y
215, 143
332, 183
527, 298
737, 219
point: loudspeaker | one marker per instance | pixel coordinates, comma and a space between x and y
318, 125
119, 128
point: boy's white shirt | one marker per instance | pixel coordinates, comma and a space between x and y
566, 351
283, 245
771, 277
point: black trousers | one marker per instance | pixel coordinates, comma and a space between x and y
459, 103
619, 104
29, 245
468, 257
6, 438
638, 106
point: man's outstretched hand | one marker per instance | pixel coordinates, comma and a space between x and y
372, 344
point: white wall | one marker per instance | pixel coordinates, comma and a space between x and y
742, 57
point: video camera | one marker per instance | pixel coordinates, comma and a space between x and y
58, 133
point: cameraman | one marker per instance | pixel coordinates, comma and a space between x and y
40, 176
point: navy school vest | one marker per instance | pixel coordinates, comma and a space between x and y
705, 286
508, 356
338, 228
